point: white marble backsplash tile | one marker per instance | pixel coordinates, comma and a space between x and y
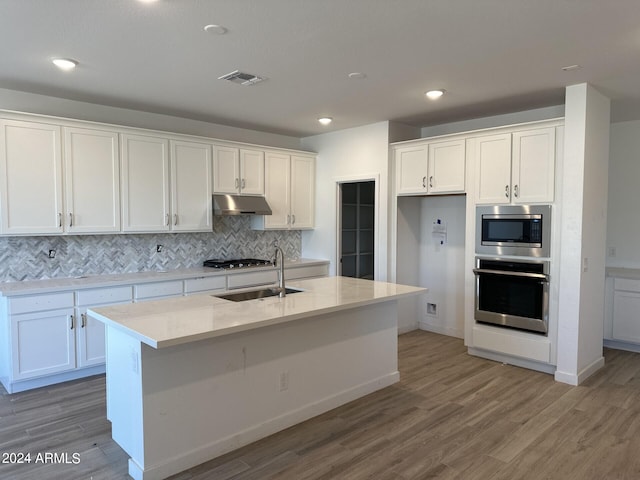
26, 258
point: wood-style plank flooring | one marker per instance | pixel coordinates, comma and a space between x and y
452, 416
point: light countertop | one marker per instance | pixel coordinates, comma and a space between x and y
632, 273
109, 280
174, 321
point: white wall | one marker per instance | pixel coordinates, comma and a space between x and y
584, 194
61, 107
623, 214
354, 153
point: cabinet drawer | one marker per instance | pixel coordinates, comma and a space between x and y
97, 296
307, 272
627, 284
252, 279
204, 284
38, 303
161, 289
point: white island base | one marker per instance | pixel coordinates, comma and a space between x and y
176, 407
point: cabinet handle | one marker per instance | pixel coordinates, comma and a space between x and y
60, 220
83, 320
71, 320
515, 190
175, 219
293, 219
71, 219
237, 183
243, 183
166, 219
431, 181
506, 191
288, 219
424, 182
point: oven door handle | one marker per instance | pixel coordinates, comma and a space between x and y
541, 276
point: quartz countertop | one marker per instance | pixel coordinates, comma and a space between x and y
96, 281
174, 321
632, 273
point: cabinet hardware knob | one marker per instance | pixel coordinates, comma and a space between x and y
71, 321
515, 190
83, 320
506, 191
166, 218
243, 184
293, 219
70, 219
431, 181
288, 219
424, 182
175, 219
59, 220
237, 183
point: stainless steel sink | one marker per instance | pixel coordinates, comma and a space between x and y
255, 294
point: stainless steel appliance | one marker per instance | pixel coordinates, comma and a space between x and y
227, 204
521, 230
236, 263
513, 293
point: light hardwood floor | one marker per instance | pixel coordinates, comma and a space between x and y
452, 416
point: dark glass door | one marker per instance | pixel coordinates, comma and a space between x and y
357, 207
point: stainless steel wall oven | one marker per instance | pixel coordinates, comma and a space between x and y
513, 293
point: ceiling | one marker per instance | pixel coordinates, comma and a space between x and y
491, 57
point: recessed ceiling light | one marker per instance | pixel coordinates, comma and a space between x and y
568, 68
325, 120
65, 63
357, 75
215, 29
434, 94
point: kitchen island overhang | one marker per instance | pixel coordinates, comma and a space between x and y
192, 378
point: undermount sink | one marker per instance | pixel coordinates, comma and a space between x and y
255, 294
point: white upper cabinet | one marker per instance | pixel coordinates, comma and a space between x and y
238, 170
431, 168
30, 178
145, 184
411, 169
516, 168
446, 167
289, 191
191, 186
533, 167
92, 181
492, 158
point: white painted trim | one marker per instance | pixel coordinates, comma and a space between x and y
451, 332
367, 177
23, 385
509, 360
573, 379
618, 345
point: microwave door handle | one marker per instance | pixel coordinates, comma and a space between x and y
540, 276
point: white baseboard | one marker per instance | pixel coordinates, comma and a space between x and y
577, 379
618, 345
442, 330
214, 449
515, 361
23, 385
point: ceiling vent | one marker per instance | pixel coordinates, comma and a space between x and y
242, 78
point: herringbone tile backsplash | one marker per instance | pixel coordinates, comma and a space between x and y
26, 258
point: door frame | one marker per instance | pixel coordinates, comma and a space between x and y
370, 177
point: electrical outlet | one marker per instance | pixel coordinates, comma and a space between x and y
52, 254
611, 251
159, 248
284, 381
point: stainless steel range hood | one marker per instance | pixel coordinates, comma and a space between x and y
240, 205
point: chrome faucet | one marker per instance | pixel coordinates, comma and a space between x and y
282, 291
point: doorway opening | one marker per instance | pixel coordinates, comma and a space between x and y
356, 249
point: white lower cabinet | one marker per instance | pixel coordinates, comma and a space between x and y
626, 305
157, 290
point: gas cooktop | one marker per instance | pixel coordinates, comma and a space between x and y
236, 263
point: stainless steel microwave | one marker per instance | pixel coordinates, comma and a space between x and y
520, 230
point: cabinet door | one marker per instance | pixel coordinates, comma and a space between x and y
277, 187
626, 323
31, 178
302, 192
191, 186
251, 172
446, 167
43, 343
92, 181
226, 170
90, 339
533, 172
492, 158
411, 170
145, 184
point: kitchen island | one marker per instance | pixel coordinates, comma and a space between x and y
191, 378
